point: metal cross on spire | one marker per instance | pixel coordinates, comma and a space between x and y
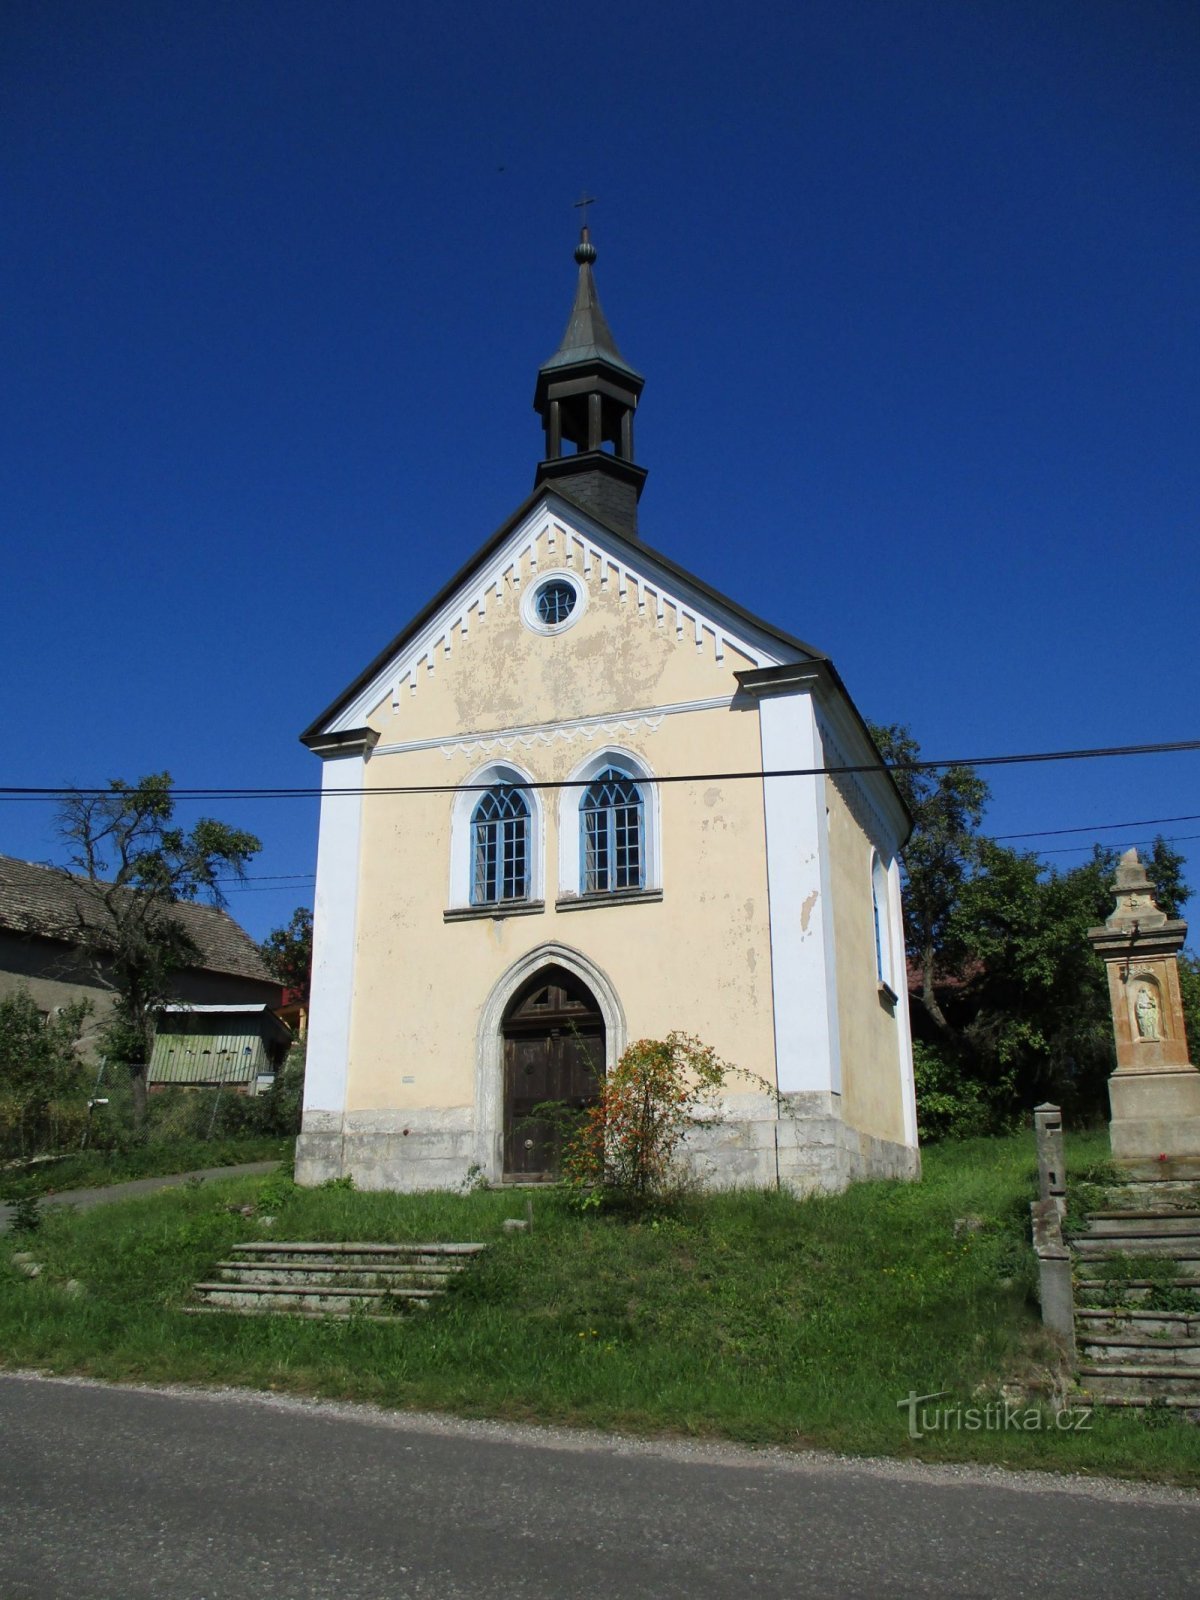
585, 200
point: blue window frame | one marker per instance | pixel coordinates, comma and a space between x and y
612, 834
500, 847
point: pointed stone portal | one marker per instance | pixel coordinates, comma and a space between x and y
1155, 1091
586, 396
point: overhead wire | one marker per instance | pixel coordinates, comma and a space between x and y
48, 792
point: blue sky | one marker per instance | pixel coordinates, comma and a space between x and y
913, 284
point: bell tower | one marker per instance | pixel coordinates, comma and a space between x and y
586, 396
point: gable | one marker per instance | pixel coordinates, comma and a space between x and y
647, 634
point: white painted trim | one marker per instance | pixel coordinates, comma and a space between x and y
568, 815
601, 556
335, 916
840, 733
908, 1083
577, 587
489, 1048
803, 965
545, 733
183, 1005
464, 803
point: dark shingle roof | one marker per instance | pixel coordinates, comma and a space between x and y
48, 902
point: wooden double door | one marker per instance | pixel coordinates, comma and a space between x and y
553, 1054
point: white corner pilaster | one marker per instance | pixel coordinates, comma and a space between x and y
335, 914
803, 966
908, 1086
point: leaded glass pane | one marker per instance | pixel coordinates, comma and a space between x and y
612, 816
500, 847
555, 602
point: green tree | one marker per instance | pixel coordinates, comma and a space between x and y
1189, 985
1023, 1013
287, 952
38, 1065
131, 867
939, 858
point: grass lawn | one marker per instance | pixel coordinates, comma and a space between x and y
746, 1316
97, 1169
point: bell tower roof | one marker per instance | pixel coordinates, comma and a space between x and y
586, 396
588, 337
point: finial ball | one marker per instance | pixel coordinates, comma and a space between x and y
585, 250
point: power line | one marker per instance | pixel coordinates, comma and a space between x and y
1095, 827
309, 793
1071, 849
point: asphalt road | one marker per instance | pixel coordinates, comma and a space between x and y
124, 1493
86, 1198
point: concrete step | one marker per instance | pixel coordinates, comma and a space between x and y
1164, 1193
301, 1297
1178, 1247
1133, 1381
1142, 1224
315, 1272
287, 1311
355, 1249
332, 1279
1172, 1324
1100, 1291
1104, 1350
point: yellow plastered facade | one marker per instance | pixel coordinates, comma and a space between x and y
631, 674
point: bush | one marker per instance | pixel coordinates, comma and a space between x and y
950, 1105
626, 1147
42, 1079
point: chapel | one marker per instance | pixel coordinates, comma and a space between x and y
524, 862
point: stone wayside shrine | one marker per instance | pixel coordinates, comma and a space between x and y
1155, 1091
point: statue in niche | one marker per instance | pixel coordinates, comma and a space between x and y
1145, 1009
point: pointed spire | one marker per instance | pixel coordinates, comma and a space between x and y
586, 396
588, 336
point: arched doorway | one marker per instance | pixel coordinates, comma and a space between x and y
553, 1034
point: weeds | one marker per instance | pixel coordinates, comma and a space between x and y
750, 1316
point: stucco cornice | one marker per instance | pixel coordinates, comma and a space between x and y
352, 742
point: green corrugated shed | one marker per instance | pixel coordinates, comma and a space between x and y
214, 1044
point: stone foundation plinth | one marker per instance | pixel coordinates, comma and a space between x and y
802, 1145
1155, 1115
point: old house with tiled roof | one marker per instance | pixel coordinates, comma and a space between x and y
42, 912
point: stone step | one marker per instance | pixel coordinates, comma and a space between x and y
316, 1272
1175, 1246
362, 1256
1141, 1224
1130, 1402
1099, 1291
301, 1297
1113, 1350
1136, 1382
1174, 1324
1167, 1193
332, 1278
287, 1311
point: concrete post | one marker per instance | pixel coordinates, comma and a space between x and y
1052, 1164
1055, 1289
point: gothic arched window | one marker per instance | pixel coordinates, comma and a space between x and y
612, 832
880, 909
500, 847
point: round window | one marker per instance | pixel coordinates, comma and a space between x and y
554, 602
